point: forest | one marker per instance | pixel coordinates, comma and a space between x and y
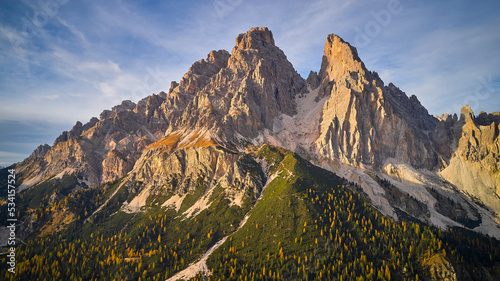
308, 225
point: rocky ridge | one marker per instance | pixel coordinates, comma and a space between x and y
101, 150
365, 122
343, 118
475, 163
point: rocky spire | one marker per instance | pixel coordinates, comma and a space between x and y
466, 114
257, 84
365, 121
340, 60
40, 151
256, 38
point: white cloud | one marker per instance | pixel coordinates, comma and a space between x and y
9, 158
445, 65
51, 97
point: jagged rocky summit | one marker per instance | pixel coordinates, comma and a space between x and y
440, 170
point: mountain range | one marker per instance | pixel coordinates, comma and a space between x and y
246, 170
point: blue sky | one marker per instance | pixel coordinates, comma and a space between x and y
63, 61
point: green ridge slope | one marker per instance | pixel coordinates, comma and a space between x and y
309, 224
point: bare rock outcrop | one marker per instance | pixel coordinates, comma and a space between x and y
343, 115
475, 163
40, 151
365, 122
256, 85
205, 174
101, 150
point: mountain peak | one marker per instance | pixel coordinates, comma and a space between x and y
339, 59
40, 151
466, 114
238, 149
206, 131
255, 38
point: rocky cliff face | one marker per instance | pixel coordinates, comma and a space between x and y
103, 149
475, 162
254, 84
366, 122
343, 118
193, 178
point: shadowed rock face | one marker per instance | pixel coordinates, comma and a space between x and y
475, 162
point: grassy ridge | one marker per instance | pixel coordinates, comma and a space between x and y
310, 225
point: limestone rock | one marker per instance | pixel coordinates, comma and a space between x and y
313, 79
256, 38
207, 173
344, 118
257, 84
40, 151
475, 163
365, 122
466, 114
101, 150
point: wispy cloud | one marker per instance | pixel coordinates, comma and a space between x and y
8, 158
75, 32
444, 65
51, 97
